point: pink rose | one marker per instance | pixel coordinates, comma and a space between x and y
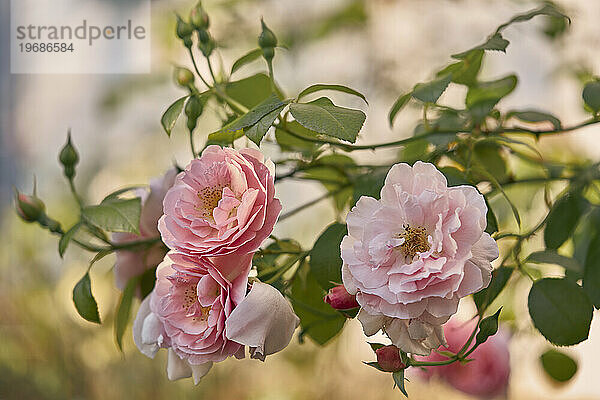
222, 203
130, 264
388, 358
339, 298
487, 375
201, 312
412, 255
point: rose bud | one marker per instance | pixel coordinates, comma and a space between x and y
340, 299
388, 358
183, 76
29, 208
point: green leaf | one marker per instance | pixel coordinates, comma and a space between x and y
495, 42
254, 116
374, 364
251, 91
332, 175
325, 259
317, 319
257, 131
289, 142
66, 238
124, 309
324, 117
488, 94
376, 346
430, 92
492, 221
591, 274
560, 310
369, 184
533, 116
485, 297
548, 9
465, 71
558, 365
338, 88
591, 95
399, 381
225, 138
454, 176
115, 215
562, 219
489, 155
246, 59
84, 300
398, 106
552, 257
147, 282
172, 114
115, 195
487, 327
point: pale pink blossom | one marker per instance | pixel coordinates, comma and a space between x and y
224, 202
487, 376
413, 254
201, 312
132, 263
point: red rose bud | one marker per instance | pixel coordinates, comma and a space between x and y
29, 208
339, 298
388, 358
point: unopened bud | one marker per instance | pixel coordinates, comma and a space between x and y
389, 359
199, 18
207, 47
183, 76
29, 208
203, 36
267, 38
339, 298
184, 30
193, 107
69, 158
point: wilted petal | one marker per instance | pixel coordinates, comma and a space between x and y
264, 321
147, 330
199, 371
371, 323
177, 368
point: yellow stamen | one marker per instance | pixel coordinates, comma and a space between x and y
415, 241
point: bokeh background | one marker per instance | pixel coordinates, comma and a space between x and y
379, 47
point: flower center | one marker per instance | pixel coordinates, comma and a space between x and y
415, 241
209, 200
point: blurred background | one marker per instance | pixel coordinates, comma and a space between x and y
379, 47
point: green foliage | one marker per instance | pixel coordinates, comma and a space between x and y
325, 260
324, 117
330, 170
485, 297
337, 88
591, 96
430, 92
170, 116
552, 257
399, 381
533, 116
252, 90
291, 137
84, 300
398, 106
558, 365
246, 59
482, 97
561, 310
256, 122
563, 219
124, 310
115, 215
317, 319
66, 238
487, 327
591, 273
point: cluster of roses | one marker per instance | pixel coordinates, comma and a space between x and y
204, 306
